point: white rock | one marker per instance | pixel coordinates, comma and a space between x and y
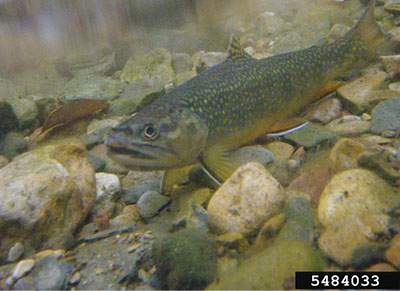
246, 200
15, 252
22, 268
106, 184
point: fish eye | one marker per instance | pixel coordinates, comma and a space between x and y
150, 131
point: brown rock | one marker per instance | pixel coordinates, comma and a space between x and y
344, 155
327, 110
281, 150
393, 252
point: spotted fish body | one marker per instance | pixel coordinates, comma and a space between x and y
236, 101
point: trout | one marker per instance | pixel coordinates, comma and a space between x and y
234, 102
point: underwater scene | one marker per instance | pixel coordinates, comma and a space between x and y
198, 144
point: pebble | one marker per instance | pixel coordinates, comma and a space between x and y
22, 268
129, 214
50, 274
106, 184
326, 111
133, 194
15, 252
349, 127
344, 155
312, 135
281, 150
293, 165
13, 144
133, 247
391, 63
246, 200
150, 203
257, 153
76, 277
393, 252
386, 116
57, 254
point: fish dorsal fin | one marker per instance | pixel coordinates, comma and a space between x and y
236, 52
284, 127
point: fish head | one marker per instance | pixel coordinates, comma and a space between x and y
158, 137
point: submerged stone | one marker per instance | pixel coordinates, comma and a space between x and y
312, 135
386, 116
185, 260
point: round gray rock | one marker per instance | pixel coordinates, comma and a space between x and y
386, 116
150, 203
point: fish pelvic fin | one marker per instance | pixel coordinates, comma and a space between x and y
235, 50
218, 164
378, 42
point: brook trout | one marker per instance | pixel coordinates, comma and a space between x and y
237, 101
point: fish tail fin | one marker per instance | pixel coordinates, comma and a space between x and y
378, 42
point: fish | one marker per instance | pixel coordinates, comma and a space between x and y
239, 100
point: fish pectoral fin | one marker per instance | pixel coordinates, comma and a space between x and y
284, 127
218, 164
330, 87
236, 52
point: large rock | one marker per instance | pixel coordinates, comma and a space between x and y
92, 87
272, 268
359, 94
185, 260
386, 116
154, 66
53, 189
246, 200
354, 209
24, 109
344, 155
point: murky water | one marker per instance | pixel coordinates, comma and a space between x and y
322, 198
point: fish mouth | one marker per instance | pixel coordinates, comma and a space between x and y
121, 147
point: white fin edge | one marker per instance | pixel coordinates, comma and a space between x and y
211, 176
285, 132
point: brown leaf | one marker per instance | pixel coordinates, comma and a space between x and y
67, 113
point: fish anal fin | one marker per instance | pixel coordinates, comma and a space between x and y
235, 50
283, 127
330, 87
218, 164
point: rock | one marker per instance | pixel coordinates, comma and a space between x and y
24, 109
185, 260
312, 178
150, 203
106, 184
359, 94
269, 23
97, 163
393, 252
391, 63
88, 60
344, 155
133, 194
14, 143
140, 177
92, 87
380, 267
75, 278
281, 150
338, 30
354, 209
312, 135
182, 77
205, 60
386, 116
258, 154
181, 62
155, 67
8, 119
284, 259
51, 275
111, 166
15, 252
368, 254
129, 214
140, 93
383, 163
61, 187
101, 127
299, 224
327, 110
22, 268
246, 200
56, 254
349, 128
